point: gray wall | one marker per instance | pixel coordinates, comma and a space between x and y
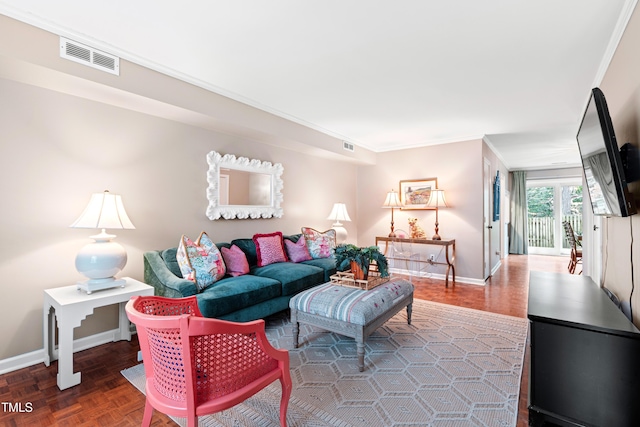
459, 169
64, 137
621, 86
68, 131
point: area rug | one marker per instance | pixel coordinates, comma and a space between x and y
451, 367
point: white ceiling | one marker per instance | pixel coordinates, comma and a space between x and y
383, 75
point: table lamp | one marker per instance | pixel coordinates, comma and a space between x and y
392, 201
102, 259
339, 213
437, 200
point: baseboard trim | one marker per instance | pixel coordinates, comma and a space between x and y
21, 361
34, 357
437, 276
496, 267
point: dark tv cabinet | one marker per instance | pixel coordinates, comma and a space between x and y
585, 355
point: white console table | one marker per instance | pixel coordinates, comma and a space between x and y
71, 306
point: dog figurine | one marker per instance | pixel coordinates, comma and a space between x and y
416, 231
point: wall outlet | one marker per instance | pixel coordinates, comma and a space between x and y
432, 257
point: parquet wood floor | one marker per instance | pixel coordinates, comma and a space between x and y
105, 397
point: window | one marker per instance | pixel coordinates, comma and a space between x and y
549, 203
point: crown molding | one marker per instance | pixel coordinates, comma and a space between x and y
625, 15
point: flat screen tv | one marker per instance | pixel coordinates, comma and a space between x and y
601, 161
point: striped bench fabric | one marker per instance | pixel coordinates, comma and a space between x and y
350, 311
349, 304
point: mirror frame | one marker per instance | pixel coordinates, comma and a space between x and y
215, 211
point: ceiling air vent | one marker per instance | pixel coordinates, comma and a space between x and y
347, 146
86, 55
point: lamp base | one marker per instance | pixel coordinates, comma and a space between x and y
100, 262
93, 285
341, 233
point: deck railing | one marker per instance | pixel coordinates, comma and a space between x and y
541, 230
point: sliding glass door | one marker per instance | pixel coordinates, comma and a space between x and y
550, 203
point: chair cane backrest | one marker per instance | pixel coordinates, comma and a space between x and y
568, 231
161, 328
162, 306
575, 257
227, 357
199, 365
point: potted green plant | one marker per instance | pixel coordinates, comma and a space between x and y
358, 259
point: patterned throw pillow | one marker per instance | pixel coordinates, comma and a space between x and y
200, 261
270, 248
235, 260
321, 244
297, 251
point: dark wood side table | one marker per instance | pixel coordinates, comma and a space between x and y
584, 368
449, 258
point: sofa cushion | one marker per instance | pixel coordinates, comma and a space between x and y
328, 265
321, 244
293, 277
269, 248
235, 260
169, 257
235, 293
249, 249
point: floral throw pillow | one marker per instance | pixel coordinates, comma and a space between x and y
200, 261
297, 251
270, 248
235, 260
321, 244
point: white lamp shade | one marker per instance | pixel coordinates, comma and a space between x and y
437, 199
339, 213
105, 210
392, 200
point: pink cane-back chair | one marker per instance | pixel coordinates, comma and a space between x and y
196, 366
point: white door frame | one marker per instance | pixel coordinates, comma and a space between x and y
591, 240
486, 222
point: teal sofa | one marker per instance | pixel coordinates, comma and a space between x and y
264, 291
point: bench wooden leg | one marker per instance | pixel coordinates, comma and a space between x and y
295, 327
360, 349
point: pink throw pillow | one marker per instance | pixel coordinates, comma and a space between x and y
298, 251
200, 261
270, 248
321, 244
235, 260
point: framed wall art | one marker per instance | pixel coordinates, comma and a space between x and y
415, 193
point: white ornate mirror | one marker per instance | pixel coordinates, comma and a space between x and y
243, 188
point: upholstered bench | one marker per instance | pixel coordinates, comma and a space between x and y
350, 311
